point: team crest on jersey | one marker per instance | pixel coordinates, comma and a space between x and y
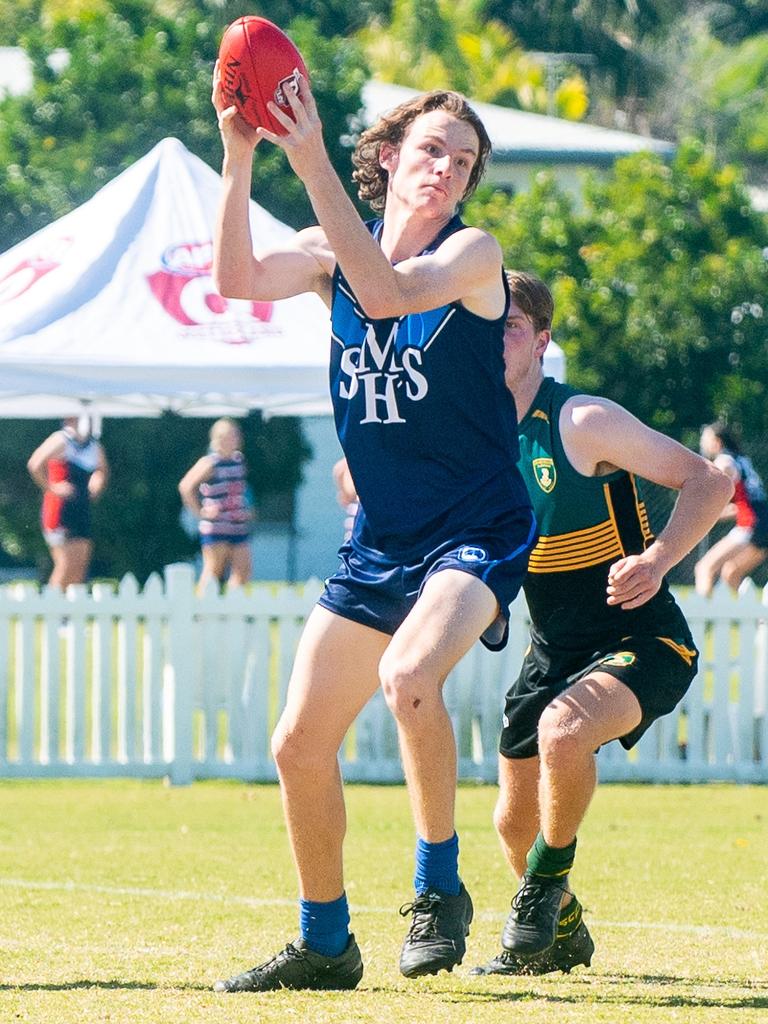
620, 659
472, 554
545, 473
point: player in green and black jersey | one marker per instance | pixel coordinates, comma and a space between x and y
610, 649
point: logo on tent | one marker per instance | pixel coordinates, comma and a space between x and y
184, 289
29, 271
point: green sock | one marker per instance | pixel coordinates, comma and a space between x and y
570, 918
550, 861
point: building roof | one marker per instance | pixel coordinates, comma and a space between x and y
521, 137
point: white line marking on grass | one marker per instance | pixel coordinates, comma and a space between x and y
180, 895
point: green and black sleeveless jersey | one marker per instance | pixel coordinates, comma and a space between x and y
585, 524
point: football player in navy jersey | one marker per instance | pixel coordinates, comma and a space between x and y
441, 540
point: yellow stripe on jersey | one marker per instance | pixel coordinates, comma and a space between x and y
577, 550
539, 414
642, 511
577, 536
685, 652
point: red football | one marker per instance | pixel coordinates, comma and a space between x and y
258, 63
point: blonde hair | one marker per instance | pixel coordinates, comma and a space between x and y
220, 428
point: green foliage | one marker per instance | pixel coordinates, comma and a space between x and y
612, 31
660, 283
431, 44
735, 20
730, 103
136, 522
136, 74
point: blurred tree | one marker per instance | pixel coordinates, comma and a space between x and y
719, 93
660, 281
136, 74
612, 30
431, 44
735, 20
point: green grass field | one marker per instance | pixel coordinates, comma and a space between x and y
123, 901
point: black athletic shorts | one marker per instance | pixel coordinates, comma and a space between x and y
657, 669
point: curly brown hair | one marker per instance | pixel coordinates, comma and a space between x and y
391, 128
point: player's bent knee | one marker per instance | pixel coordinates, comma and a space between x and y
296, 753
407, 690
561, 732
731, 575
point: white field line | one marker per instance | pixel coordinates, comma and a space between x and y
181, 895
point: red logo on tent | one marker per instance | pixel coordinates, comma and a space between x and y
185, 290
21, 278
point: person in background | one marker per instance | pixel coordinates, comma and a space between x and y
215, 491
71, 469
745, 547
346, 495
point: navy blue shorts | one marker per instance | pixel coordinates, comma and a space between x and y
377, 591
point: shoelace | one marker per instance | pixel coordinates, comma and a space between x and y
507, 957
528, 899
289, 953
424, 909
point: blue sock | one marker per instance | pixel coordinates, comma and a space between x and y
325, 926
437, 865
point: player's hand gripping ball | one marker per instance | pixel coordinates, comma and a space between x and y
258, 63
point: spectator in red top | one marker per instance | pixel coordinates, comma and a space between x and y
71, 469
745, 547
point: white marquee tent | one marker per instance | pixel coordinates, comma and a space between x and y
112, 308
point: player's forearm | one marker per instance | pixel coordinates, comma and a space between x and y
233, 259
98, 483
697, 509
40, 476
365, 266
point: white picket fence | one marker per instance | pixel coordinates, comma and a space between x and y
158, 682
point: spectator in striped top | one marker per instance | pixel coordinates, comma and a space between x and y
215, 490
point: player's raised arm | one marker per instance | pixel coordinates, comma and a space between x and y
600, 434
433, 167
237, 272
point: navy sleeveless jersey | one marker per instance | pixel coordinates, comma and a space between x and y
425, 419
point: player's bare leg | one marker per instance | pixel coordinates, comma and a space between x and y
709, 565
451, 613
741, 564
334, 675
70, 562
239, 565
215, 560
516, 818
59, 572
595, 710
516, 815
